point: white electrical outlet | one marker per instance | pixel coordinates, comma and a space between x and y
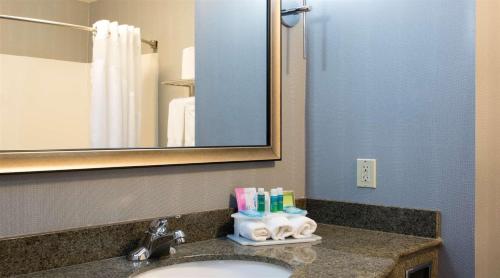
367, 173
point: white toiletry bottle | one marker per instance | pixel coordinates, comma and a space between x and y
250, 196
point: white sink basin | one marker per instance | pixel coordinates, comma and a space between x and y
219, 269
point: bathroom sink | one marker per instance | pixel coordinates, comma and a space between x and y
219, 269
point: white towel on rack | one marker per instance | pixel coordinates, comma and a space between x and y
303, 227
189, 122
176, 130
254, 230
279, 227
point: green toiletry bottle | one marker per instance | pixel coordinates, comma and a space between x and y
261, 200
280, 199
274, 200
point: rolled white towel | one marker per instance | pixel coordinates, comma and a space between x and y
254, 230
303, 227
279, 227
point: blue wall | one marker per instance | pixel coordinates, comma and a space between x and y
394, 80
231, 99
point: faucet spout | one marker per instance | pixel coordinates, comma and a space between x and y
158, 241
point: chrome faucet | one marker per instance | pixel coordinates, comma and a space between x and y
158, 241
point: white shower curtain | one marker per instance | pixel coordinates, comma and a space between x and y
116, 86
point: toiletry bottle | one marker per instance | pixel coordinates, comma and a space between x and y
267, 201
274, 200
280, 198
261, 200
250, 198
240, 198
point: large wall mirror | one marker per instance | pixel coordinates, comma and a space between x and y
123, 83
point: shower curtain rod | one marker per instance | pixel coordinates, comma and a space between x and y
152, 43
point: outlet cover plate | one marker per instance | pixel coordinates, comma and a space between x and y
367, 173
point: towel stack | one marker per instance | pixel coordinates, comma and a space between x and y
277, 228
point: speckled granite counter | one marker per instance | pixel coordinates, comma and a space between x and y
343, 252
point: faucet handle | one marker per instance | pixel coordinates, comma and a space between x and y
179, 237
159, 226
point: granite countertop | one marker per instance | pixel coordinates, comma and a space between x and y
343, 252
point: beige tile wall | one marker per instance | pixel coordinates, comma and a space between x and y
487, 226
35, 40
34, 203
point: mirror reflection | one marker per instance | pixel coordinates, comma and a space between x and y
113, 74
